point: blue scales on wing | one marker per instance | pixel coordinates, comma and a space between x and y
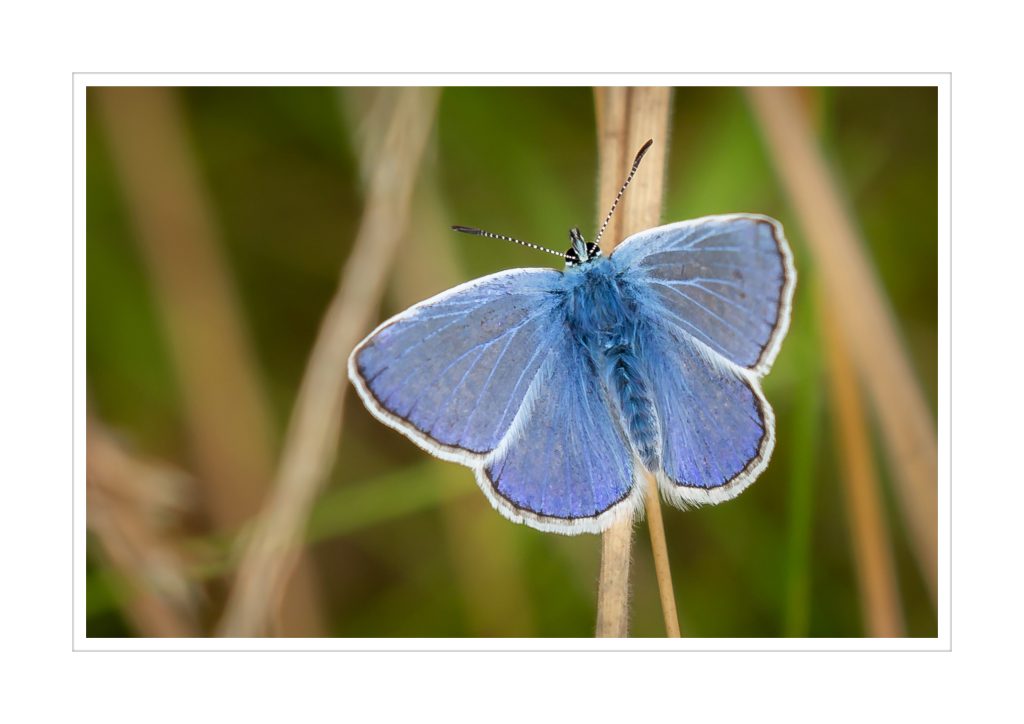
567, 458
490, 376
726, 281
452, 372
716, 427
717, 293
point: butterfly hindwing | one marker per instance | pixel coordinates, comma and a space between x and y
726, 281
567, 465
717, 430
451, 373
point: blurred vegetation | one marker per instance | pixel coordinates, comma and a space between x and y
388, 536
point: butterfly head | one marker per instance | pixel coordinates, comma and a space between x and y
581, 250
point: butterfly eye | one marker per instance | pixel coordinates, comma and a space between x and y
572, 257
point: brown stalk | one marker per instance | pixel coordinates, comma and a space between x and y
134, 506
862, 314
876, 572
311, 442
626, 119
226, 412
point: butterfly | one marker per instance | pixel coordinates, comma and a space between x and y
561, 388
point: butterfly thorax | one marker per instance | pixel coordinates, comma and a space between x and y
602, 317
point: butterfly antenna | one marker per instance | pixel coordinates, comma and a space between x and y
480, 232
632, 173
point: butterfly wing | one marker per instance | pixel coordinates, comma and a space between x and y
725, 281
566, 466
451, 373
717, 292
486, 375
717, 430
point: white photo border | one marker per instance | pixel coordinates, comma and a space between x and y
941, 81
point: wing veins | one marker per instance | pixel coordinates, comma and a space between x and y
696, 284
487, 383
414, 371
444, 403
724, 321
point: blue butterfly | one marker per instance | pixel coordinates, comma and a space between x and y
560, 388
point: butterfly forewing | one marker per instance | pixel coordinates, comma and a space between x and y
452, 372
726, 281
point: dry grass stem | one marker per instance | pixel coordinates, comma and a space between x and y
313, 431
862, 314
662, 569
226, 412
876, 572
626, 119
134, 507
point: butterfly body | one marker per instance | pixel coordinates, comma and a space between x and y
561, 388
604, 316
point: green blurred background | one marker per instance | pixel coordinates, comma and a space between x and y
402, 545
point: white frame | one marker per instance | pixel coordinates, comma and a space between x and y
941, 81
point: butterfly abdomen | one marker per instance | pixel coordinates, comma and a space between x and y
601, 316
634, 400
